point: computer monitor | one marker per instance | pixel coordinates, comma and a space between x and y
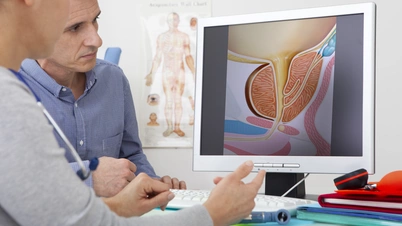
293, 91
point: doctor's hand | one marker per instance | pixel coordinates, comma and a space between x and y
232, 199
140, 196
112, 175
173, 183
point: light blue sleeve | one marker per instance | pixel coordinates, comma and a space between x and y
131, 147
76, 167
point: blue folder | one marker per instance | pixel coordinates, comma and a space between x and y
347, 216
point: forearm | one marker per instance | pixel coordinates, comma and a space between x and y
143, 165
131, 147
112, 204
195, 215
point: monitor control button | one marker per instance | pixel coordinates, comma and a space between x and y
277, 165
268, 165
291, 165
258, 165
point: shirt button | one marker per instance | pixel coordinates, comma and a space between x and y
81, 142
76, 105
64, 89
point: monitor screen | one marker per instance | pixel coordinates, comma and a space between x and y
293, 90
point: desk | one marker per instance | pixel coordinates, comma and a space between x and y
311, 197
292, 222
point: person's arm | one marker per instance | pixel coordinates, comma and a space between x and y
150, 194
38, 185
76, 167
131, 147
110, 177
232, 199
229, 202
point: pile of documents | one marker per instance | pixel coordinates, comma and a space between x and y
356, 207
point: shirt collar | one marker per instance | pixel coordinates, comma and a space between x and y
32, 69
91, 80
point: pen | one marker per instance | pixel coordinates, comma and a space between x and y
281, 216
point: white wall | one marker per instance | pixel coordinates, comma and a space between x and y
118, 27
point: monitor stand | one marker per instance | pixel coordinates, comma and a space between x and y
279, 183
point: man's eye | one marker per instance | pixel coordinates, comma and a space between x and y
75, 28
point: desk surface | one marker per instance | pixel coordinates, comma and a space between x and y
311, 197
292, 222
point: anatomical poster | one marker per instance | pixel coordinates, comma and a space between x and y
166, 113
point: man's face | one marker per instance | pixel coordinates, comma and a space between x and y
43, 38
77, 47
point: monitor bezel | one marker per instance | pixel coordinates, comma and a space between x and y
331, 164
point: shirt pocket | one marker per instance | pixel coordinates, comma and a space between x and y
111, 145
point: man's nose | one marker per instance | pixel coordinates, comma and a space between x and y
93, 38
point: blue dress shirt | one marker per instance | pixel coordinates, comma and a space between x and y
101, 122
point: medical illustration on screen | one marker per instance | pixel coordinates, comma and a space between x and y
279, 91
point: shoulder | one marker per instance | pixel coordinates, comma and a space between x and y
102, 64
5, 73
30, 67
109, 73
11, 89
6, 78
8, 81
106, 68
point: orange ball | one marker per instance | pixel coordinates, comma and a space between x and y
391, 182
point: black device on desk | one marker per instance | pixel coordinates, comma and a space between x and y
287, 180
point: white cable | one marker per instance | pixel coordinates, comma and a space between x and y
71, 148
295, 185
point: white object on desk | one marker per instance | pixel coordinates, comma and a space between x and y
263, 203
